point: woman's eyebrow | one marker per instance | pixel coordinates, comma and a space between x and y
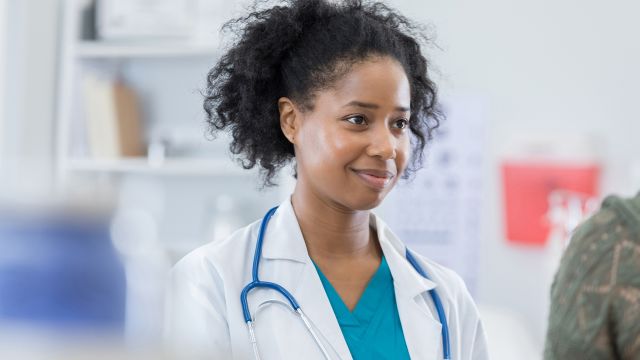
373, 106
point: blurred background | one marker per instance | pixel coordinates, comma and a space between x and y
108, 176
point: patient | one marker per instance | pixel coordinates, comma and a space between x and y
595, 297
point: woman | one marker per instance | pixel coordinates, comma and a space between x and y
343, 90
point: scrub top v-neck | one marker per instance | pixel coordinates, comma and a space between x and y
373, 329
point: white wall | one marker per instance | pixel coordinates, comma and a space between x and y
544, 66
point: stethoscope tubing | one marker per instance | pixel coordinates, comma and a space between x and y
255, 282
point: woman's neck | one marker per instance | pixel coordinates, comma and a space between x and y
331, 231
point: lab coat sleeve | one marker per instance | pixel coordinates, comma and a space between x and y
473, 343
195, 323
479, 349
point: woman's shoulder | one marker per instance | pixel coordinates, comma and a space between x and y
217, 256
203, 289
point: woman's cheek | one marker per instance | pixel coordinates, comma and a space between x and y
332, 141
320, 147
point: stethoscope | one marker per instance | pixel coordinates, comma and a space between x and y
257, 283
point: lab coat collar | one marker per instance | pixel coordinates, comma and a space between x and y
289, 245
285, 237
408, 281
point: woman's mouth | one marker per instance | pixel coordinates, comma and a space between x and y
376, 179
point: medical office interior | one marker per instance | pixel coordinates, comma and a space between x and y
108, 175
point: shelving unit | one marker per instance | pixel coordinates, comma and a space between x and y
77, 52
172, 167
96, 49
167, 75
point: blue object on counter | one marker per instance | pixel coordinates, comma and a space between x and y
61, 271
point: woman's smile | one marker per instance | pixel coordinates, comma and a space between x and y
378, 180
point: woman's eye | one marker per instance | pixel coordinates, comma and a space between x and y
357, 120
401, 123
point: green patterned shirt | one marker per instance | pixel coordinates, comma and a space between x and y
595, 297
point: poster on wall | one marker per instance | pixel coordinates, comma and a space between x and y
437, 213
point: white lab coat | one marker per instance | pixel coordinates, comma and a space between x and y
205, 314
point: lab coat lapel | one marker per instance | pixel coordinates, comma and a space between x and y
315, 303
422, 332
289, 265
422, 329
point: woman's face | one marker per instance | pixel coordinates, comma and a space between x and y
353, 146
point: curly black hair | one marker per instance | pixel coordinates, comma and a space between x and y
296, 49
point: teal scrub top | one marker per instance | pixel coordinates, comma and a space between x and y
373, 330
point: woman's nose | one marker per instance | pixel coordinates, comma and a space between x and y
382, 144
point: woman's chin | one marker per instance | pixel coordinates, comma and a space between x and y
367, 202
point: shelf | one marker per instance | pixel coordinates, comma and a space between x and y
97, 49
170, 167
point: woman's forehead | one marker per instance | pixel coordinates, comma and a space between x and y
377, 82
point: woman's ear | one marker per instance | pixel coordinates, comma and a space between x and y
289, 118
